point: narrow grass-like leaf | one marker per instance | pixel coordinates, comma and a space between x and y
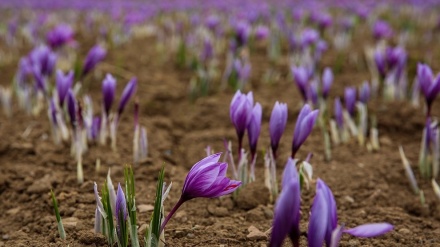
57, 215
436, 188
131, 204
408, 171
157, 212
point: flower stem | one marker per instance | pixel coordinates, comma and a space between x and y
171, 213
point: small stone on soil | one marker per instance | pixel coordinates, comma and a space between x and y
255, 234
145, 208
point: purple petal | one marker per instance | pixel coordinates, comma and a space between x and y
336, 236
108, 92
370, 230
290, 173
129, 90
318, 220
277, 124
254, 127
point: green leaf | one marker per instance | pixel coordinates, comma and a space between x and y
157, 213
57, 215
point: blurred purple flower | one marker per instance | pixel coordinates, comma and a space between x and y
382, 30
303, 127
429, 85
207, 178
327, 81
108, 92
309, 36
71, 106
242, 32
240, 113
287, 209
95, 55
96, 126
379, 59
364, 92
339, 117
129, 90
301, 76
60, 35
350, 99
312, 92
261, 32
208, 50
44, 59
212, 21
63, 83
254, 127
277, 125
53, 112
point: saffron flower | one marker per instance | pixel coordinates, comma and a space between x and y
129, 90
327, 81
254, 127
60, 35
71, 107
303, 127
261, 32
240, 113
64, 83
323, 225
277, 125
108, 92
382, 30
287, 208
95, 55
301, 76
207, 178
44, 59
339, 117
350, 99
121, 214
364, 93
429, 85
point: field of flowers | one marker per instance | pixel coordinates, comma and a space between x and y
219, 123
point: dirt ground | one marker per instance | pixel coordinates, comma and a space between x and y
369, 187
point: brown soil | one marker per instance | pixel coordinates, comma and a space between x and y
369, 187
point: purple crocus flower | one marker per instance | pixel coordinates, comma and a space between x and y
350, 99
64, 83
379, 59
287, 209
240, 113
364, 92
303, 127
339, 117
323, 224
318, 221
242, 32
207, 178
208, 50
212, 22
327, 81
53, 113
40, 80
309, 36
71, 106
312, 92
121, 213
301, 76
382, 30
108, 92
254, 127
277, 124
95, 55
429, 85
129, 90
261, 32
44, 59
96, 126
60, 35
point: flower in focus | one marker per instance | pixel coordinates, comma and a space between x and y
304, 125
287, 209
240, 112
277, 125
254, 127
207, 178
